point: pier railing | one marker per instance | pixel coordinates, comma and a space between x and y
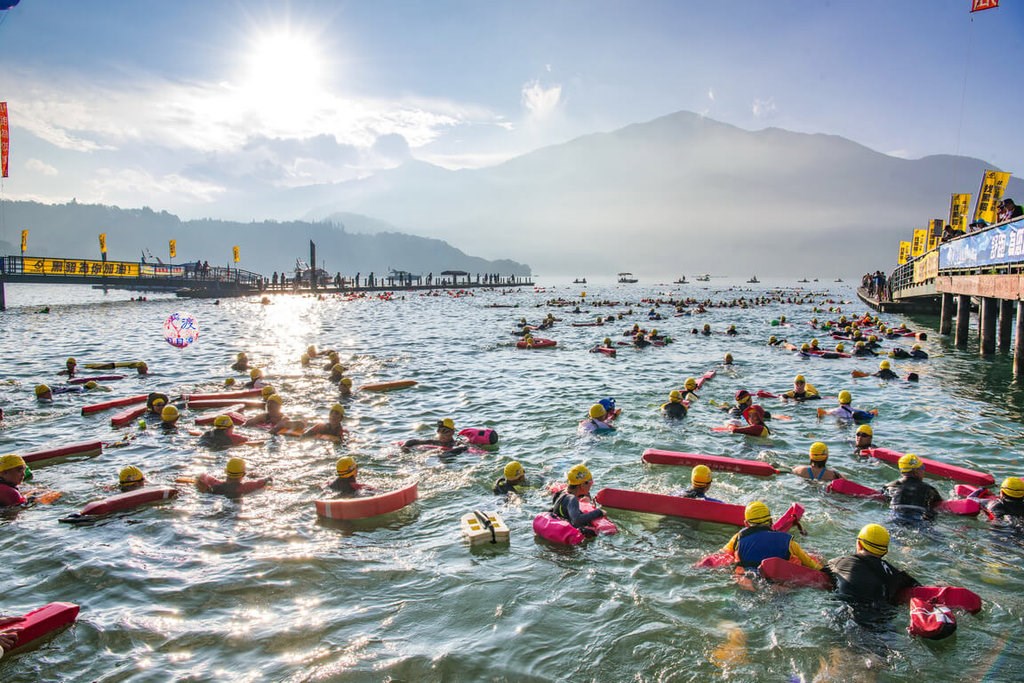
127, 274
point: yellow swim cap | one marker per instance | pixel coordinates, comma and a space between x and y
346, 467
275, 398
41, 389
915, 347
255, 373
814, 343
865, 429
1012, 487
674, 396
131, 475
10, 461
805, 347
845, 397
884, 365
311, 350
859, 345
235, 469
690, 384
71, 361
799, 379
597, 411
229, 382
700, 476
909, 463
446, 423
338, 367
91, 384
169, 414
242, 356
818, 452
579, 474
338, 408
875, 539
757, 513
347, 381
514, 471
223, 422
267, 391
839, 347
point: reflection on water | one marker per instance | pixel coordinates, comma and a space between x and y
204, 588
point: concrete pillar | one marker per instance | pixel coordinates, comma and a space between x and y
963, 320
987, 315
946, 315
1018, 343
3, 297
1005, 323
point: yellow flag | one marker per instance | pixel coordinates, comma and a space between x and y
904, 253
174, 248
993, 185
24, 241
103, 243
934, 233
959, 205
920, 242
237, 257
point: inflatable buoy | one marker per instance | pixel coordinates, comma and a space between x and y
41, 622
556, 529
360, 508
480, 437
483, 527
84, 449
122, 502
389, 386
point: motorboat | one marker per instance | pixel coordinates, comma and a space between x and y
627, 278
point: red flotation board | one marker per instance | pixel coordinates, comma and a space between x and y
236, 417
125, 501
225, 403
953, 597
710, 374
672, 506
114, 403
40, 622
979, 492
968, 507
243, 393
792, 573
930, 619
606, 350
97, 378
934, 467
389, 386
851, 488
371, 506
127, 416
656, 456
86, 449
538, 343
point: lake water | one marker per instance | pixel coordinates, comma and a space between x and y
208, 589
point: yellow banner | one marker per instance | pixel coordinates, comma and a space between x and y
934, 233
236, 251
24, 242
926, 268
920, 242
993, 185
103, 243
904, 253
79, 267
174, 248
959, 205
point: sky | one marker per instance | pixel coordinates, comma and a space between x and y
176, 105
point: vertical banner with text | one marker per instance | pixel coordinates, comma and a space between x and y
24, 242
173, 246
103, 243
919, 243
236, 252
993, 185
5, 139
959, 205
934, 233
904, 252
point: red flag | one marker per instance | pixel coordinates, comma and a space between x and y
978, 5
5, 141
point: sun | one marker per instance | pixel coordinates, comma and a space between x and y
283, 70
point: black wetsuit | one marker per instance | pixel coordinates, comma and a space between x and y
502, 487
912, 499
216, 438
868, 579
674, 410
886, 374
1009, 507
344, 485
567, 506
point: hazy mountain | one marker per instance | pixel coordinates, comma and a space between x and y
680, 194
71, 230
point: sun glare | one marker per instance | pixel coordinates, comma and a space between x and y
284, 71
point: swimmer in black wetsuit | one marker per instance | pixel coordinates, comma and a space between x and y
675, 408
700, 482
445, 439
885, 371
910, 498
513, 476
1011, 500
566, 504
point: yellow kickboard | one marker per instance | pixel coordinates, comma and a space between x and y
474, 530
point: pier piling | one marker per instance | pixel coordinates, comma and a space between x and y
1018, 344
1005, 323
963, 320
946, 314
987, 314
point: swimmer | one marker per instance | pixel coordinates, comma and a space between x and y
513, 476
758, 541
333, 425
690, 389
222, 435
700, 482
566, 503
337, 372
345, 482
845, 412
43, 393
885, 371
755, 416
862, 439
910, 498
155, 403
675, 408
232, 487
802, 391
445, 439
12, 474
597, 420
70, 366
345, 387
817, 470
1010, 502
131, 478
241, 363
273, 418
169, 418
864, 579
255, 378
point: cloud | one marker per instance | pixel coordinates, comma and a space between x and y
124, 187
763, 109
541, 102
40, 167
711, 94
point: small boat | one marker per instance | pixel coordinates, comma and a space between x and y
838, 279
627, 278
803, 280
580, 281
706, 277
681, 281
753, 280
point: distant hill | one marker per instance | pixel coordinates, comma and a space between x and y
680, 194
72, 230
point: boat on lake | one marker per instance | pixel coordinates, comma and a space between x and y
681, 281
706, 277
627, 278
580, 281
753, 280
803, 280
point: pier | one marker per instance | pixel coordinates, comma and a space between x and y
986, 267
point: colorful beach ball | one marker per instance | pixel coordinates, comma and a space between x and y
181, 329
